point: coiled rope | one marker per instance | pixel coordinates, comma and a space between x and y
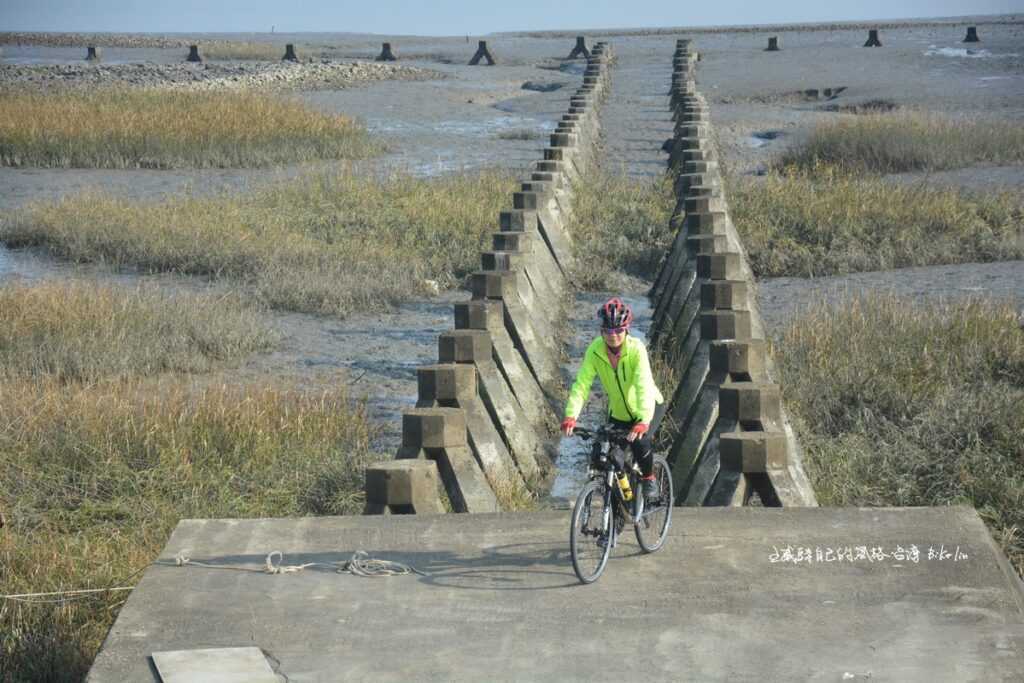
360, 564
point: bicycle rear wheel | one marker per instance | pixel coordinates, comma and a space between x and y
590, 539
652, 527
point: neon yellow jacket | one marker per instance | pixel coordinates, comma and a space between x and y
632, 393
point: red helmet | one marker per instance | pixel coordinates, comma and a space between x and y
615, 313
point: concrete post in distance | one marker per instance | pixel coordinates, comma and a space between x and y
580, 49
972, 35
289, 53
873, 40
482, 53
92, 54
773, 44
386, 55
193, 54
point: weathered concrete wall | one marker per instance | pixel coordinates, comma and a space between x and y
725, 427
485, 411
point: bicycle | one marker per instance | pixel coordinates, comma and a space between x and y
604, 505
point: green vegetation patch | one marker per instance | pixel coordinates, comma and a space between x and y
903, 404
329, 243
825, 222
160, 128
620, 226
83, 332
908, 141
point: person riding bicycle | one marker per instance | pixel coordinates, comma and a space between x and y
621, 362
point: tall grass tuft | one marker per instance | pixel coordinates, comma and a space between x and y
620, 226
161, 129
78, 332
934, 418
97, 475
824, 221
908, 141
328, 243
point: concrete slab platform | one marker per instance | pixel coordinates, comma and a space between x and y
739, 594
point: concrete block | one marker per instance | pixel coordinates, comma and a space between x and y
494, 284
464, 346
404, 486
508, 416
700, 167
725, 325
518, 221
490, 451
485, 314
749, 402
563, 140
753, 451
433, 427
704, 205
501, 260
482, 53
708, 244
722, 266
446, 382
736, 358
464, 481
724, 294
490, 315
526, 201
714, 223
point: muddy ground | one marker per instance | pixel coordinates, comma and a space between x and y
455, 123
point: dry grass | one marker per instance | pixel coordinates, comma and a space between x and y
80, 332
324, 243
96, 476
128, 128
102, 451
620, 226
935, 419
908, 141
825, 221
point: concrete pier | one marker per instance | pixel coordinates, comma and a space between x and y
740, 594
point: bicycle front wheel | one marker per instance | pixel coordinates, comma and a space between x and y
652, 527
590, 539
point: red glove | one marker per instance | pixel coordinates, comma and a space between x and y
639, 429
568, 424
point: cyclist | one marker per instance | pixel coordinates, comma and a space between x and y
621, 362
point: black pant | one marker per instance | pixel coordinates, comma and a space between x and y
643, 448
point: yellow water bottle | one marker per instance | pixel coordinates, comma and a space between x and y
627, 492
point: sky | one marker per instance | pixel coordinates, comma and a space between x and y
451, 17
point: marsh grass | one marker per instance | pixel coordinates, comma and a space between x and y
934, 419
105, 445
620, 226
79, 332
329, 243
97, 475
824, 221
908, 141
162, 129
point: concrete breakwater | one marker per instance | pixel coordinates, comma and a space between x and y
725, 429
486, 409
